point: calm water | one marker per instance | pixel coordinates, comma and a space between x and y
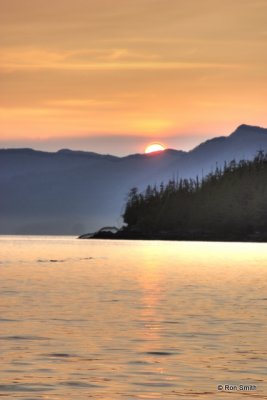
131, 320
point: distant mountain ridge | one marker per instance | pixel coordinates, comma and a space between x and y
73, 192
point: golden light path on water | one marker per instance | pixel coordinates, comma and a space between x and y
131, 319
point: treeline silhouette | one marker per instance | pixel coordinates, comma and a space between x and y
229, 201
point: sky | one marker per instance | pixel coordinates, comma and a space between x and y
114, 75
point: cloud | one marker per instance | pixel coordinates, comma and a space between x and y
43, 59
83, 103
13, 112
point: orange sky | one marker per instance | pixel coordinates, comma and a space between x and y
113, 75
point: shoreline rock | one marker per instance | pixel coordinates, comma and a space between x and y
124, 234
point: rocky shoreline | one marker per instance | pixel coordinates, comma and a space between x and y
124, 234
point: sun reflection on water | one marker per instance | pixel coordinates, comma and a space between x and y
131, 319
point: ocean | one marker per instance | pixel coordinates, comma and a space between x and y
132, 319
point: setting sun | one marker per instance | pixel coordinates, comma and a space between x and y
154, 147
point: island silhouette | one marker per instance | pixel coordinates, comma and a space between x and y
229, 204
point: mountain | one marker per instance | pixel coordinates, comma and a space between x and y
243, 143
73, 192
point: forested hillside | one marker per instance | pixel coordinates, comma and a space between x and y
230, 201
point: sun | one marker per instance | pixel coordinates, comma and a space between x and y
154, 147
